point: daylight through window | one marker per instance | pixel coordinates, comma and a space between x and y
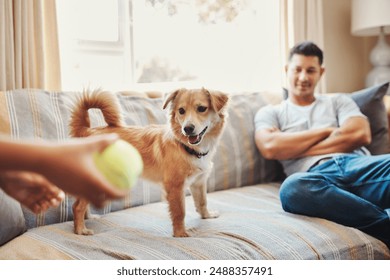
165, 44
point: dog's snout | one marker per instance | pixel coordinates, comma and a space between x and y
189, 129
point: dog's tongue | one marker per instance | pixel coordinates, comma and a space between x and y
193, 139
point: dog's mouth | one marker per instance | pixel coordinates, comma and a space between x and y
196, 139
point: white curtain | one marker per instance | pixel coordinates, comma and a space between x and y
302, 20
29, 52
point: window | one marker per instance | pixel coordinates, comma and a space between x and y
165, 44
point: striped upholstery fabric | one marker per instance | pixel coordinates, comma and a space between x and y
252, 225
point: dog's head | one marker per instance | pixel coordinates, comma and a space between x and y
196, 114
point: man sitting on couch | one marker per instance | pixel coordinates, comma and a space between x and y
320, 142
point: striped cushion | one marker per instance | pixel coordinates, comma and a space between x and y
32, 114
252, 225
237, 161
29, 114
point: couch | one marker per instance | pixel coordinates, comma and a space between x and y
243, 187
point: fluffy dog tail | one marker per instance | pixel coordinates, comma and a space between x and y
105, 101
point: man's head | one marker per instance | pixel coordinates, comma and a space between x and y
307, 48
304, 70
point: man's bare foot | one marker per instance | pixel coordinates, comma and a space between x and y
31, 189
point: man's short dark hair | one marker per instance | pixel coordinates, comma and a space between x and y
307, 48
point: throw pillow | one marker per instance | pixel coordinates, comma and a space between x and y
370, 102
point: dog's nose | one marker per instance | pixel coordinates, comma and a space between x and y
189, 129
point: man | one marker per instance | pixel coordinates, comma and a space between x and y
320, 142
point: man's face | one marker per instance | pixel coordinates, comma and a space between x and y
303, 74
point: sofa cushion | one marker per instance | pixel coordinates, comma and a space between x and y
237, 161
11, 218
252, 226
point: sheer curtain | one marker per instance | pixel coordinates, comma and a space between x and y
301, 20
29, 53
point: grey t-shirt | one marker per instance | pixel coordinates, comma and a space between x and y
326, 111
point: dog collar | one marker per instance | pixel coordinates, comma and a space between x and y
193, 152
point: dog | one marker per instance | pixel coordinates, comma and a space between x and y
177, 154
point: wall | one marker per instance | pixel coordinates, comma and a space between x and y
346, 56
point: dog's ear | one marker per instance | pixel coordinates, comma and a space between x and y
170, 97
218, 100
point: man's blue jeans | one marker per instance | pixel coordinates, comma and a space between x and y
351, 190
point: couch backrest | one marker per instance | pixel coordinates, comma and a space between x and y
32, 114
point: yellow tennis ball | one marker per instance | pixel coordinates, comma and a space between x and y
120, 163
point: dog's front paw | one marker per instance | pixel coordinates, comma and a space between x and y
210, 214
180, 233
84, 231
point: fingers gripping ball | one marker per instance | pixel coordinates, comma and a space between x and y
120, 163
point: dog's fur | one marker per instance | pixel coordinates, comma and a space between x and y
177, 155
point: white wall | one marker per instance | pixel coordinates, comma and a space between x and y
346, 56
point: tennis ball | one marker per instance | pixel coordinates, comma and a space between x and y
120, 163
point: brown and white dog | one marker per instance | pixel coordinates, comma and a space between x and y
178, 154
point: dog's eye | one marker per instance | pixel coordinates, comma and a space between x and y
202, 109
182, 111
